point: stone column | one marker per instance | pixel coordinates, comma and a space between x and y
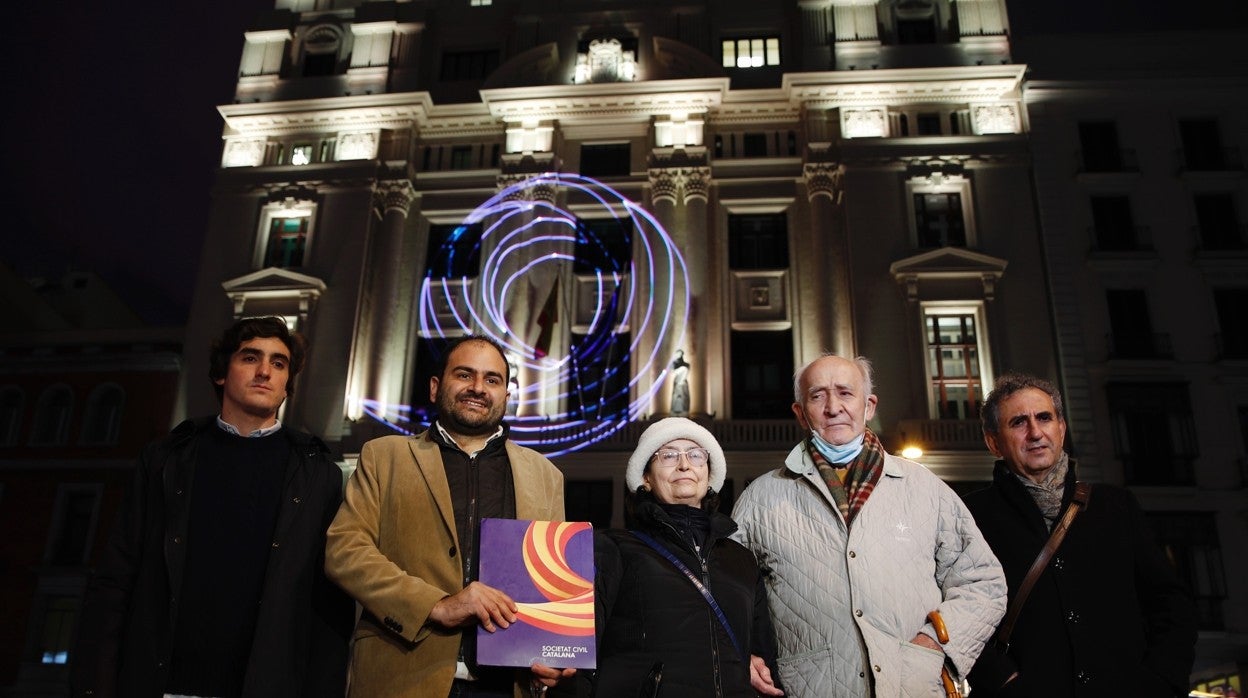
667, 205
696, 184
824, 191
388, 295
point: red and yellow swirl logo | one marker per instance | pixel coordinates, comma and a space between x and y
569, 609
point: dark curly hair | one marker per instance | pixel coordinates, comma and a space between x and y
1006, 386
245, 330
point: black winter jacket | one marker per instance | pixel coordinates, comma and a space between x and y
130, 612
649, 613
1108, 616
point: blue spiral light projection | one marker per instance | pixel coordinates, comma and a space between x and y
518, 235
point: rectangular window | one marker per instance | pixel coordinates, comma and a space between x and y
485, 3
929, 124
1154, 432
1218, 222
1098, 143
600, 390
606, 160
1113, 225
1131, 333
1233, 337
56, 633
762, 374
73, 523
468, 65
758, 241
1190, 541
461, 157
954, 364
453, 252
938, 219
754, 145
1202, 144
288, 238
916, 31
301, 154
754, 52
603, 245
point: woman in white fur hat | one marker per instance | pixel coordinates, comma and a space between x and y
681, 608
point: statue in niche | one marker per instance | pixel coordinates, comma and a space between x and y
680, 384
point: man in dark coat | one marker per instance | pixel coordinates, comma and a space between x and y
213, 582
1108, 615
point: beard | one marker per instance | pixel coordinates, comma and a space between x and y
461, 419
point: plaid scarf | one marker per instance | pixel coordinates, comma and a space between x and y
861, 474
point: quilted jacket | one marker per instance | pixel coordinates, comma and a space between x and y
845, 603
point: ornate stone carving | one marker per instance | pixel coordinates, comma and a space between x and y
360, 145
244, 153
994, 118
664, 185
697, 183
394, 195
864, 123
824, 179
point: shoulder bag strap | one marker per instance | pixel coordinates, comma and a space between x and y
706, 593
1083, 492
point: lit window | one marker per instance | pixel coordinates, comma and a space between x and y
480, 3
956, 354
751, 53
60, 614
940, 210
301, 154
284, 235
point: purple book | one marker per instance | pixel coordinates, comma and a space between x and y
547, 568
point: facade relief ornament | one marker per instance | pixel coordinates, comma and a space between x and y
394, 195
994, 118
244, 153
664, 185
697, 183
824, 179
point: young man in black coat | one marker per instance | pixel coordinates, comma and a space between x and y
213, 582
1108, 615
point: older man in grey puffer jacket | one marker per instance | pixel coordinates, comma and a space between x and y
858, 546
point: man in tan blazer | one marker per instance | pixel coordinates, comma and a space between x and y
404, 542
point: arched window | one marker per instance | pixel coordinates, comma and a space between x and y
52, 413
320, 51
102, 420
12, 400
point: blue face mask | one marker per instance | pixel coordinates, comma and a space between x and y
837, 454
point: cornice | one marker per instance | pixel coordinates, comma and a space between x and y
399, 110
830, 89
618, 100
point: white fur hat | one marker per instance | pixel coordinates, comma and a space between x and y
670, 429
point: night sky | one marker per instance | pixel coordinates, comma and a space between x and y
113, 135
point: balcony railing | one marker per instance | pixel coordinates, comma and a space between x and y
1221, 238
1230, 346
942, 434
1210, 160
1136, 238
1107, 160
1155, 345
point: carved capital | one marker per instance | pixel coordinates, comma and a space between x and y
697, 183
664, 185
824, 179
394, 195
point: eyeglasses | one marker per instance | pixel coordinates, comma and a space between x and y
670, 457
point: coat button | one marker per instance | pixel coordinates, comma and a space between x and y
1083, 677
451, 552
877, 668
1072, 616
177, 540
1058, 563
177, 491
296, 500
853, 554
858, 612
275, 544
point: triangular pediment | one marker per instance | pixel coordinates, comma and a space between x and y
947, 262
273, 279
